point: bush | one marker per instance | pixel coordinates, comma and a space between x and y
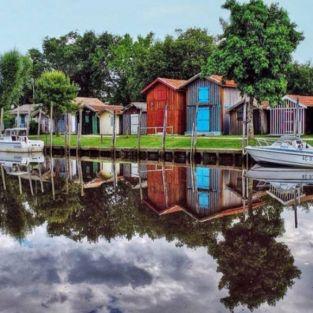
33, 127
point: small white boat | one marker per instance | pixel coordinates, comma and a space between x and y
16, 140
280, 174
288, 150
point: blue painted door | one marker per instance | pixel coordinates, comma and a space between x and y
203, 120
203, 176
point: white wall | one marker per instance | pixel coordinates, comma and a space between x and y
106, 123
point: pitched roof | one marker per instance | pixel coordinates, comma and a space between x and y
214, 78
23, 109
139, 105
304, 100
175, 84
264, 104
96, 105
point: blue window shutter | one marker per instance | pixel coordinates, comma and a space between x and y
203, 95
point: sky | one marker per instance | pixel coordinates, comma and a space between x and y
25, 23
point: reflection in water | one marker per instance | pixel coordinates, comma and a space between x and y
235, 216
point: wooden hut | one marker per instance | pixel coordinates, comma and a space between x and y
165, 93
213, 96
293, 115
131, 115
97, 117
260, 118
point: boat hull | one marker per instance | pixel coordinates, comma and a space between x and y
294, 158
22, 147
281, 174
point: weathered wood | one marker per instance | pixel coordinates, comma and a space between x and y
157, 98
114, 131
51, 125
139, 133
1, 120
39, 123
79, 133
164, 127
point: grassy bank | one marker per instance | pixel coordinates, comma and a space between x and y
151, 141
154, 141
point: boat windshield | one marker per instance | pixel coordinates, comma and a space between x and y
15, 132
291, 142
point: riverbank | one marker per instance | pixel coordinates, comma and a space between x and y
148, 142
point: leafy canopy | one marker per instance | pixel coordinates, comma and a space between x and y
55, 88
300, 79
15, 72
256, 48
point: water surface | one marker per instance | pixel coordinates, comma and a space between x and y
79, 235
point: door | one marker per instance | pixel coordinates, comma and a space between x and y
203, 178
203, 120
134, 123
95, 128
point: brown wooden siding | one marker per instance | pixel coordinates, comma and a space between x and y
176, 101
126, 127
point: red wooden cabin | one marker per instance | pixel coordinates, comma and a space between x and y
162, 92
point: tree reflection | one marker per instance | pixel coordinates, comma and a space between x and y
255, 268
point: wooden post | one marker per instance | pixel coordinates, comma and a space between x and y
114, 130
3, 178
139, 134
39, 123
51, 125
52, 176
28, 120
80, 126
164, 129
30, 180
244, 127
40, 177
194, 134
1, 120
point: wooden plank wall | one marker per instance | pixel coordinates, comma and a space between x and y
214, 104
126, 121
283, 118
214, 193
176, 101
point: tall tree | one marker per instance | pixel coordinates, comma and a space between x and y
84, 58
56, 92
255, 51
300, 79
14, 75
128, 64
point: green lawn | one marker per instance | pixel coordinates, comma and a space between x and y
154, 141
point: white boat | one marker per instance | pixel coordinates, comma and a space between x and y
280, 174
288, 150
16, 140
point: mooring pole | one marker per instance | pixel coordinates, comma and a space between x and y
164, 129
139, 134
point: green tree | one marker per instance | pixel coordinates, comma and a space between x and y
84, 58
14, 75
128, 63
56, 92
255, 51
255, 268
300, 79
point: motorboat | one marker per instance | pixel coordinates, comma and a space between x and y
280, 174
16, 140
288, 150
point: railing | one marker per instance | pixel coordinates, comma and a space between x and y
265, 141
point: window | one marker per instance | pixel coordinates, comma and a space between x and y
240, 114
203, 94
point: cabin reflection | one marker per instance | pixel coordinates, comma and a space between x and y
202, 192
166, 191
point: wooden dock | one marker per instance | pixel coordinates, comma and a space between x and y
202, 156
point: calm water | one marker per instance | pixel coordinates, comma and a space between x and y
87, 236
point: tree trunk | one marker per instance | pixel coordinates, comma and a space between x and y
1, 120
263, 122
250, 126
